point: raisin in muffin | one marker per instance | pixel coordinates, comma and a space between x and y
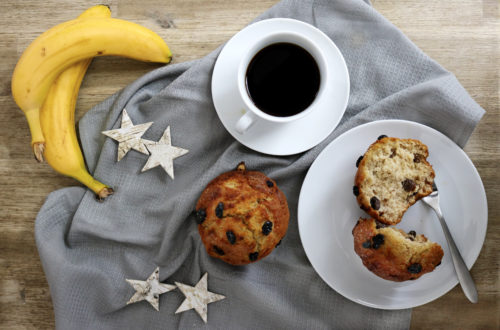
242, 216
393, 254
392, 175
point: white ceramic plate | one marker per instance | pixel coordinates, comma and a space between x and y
327, 213
272, 138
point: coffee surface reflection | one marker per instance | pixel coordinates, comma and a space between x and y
282, 79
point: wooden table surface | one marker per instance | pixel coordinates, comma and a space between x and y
462, 35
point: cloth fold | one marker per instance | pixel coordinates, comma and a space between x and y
88, 248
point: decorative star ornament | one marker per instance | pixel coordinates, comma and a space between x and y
149, 290
163, 153
197, 297
129, 136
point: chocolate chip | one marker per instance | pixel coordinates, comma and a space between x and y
269, 183
377, 241
415, 268
417, 158
278, 244
367, 244
219, 209
200, 215
267, 227
218, 250
253, 256
231, 237
412, 233
355, 190
393, 153
359, 160
408, 185
381, 137
375, 203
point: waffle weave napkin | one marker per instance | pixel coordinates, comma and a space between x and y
88, 248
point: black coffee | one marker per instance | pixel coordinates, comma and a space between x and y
282, 79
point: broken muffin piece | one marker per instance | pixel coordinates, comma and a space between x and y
392, 175
393, 254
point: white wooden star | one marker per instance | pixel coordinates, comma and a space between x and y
197, 297
149, 290
163, 153
129, 136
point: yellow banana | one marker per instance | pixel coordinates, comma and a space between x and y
57, 119
68, 43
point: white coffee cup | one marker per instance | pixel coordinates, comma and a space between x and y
251, 112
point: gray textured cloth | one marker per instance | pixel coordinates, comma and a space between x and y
88, 249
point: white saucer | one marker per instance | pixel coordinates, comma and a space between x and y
328, 212
272, 138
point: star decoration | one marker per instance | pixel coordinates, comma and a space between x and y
129, 136
197, 297
149, 290
162, 153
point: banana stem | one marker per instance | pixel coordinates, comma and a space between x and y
37, 138
105, 192
38, 149
100, 189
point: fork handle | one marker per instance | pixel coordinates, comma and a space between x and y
464, 277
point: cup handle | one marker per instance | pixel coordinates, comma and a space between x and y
244, 123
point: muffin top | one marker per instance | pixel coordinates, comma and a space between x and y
242, 216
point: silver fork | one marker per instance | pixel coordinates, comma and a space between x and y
466, 281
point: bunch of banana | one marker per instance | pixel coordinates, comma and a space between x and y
47, 78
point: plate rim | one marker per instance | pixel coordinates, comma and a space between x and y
454, 281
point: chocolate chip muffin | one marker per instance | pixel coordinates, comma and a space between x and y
242, 216
394, 254
392, 175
